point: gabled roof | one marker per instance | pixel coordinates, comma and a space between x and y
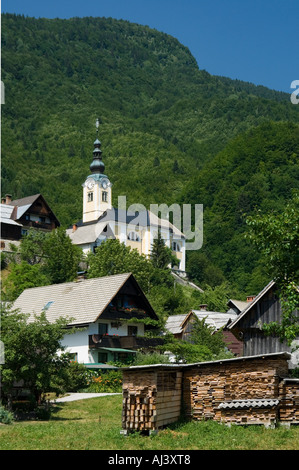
83, 301
175, 323
24, 203
88, 232
216, 320
252, 304
239, 304
6, 213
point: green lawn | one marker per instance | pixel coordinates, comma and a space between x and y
95, 424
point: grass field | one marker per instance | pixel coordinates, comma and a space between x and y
95, 424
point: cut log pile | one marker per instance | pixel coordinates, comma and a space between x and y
252, 390
289, 406
153, 402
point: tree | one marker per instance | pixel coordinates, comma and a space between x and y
113, 257
32, 246
23, 276
62, 258
276, 236
33, 353
161, 255
205, 344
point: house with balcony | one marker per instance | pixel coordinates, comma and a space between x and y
20, 215
110, 315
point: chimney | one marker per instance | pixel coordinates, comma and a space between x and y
74, 227
250, 298
203, 307
7, 198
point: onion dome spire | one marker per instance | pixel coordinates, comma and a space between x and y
97, 166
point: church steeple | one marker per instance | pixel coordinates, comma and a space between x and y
97, 166
97, 187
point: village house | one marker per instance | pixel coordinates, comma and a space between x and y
101, 220
181, 326
248, 325
20, 215
111, 314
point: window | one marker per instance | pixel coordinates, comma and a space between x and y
103, 328
74, 357
89, 197
104, 196
27, 217
42, 219
102, 357
48, 305
132, 330
176, 246
133, 236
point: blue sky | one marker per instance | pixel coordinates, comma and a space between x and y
252, 40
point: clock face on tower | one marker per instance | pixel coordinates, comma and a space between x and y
105, 183
90, 183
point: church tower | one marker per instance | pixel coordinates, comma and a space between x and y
97, 194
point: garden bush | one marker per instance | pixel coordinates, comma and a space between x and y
109, 382
6, 417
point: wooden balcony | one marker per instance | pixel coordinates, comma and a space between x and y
123, 342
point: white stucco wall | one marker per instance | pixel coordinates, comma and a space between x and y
77, 343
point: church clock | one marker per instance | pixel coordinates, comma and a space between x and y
97, 188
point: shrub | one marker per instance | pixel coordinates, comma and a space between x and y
78, 377
109, 382
6, 417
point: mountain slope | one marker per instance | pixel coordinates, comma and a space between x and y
163, 120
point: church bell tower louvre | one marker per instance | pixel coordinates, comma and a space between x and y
97, 197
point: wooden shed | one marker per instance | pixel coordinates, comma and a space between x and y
248, 325
247, 390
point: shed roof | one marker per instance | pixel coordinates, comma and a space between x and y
251, 304
240, 304
175, 323
216, 320
279, 355
81, 302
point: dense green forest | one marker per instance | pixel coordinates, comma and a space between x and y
170, 131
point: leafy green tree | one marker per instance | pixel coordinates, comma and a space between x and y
113, 257
215, 298
23, 276
276, 236
62, 258
33, 354
32, 246
205, 345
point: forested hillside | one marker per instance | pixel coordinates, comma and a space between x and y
170, 131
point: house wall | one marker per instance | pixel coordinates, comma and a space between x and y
255, 341
78, 343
